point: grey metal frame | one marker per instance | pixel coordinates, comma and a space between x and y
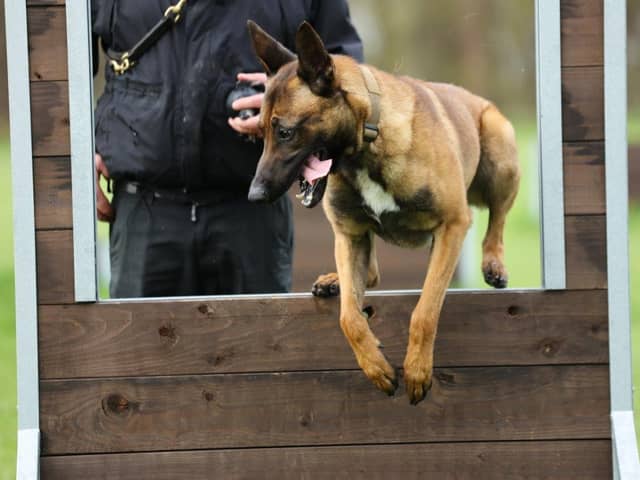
625, 454
27, 466
549, 102
549, 131
82, 151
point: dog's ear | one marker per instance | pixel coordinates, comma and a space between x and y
271, 53
315, 66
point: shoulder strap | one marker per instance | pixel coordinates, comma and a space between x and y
121, 62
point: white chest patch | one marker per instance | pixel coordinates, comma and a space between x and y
375, 197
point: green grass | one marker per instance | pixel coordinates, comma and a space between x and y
634, 237
633, 130
8, 425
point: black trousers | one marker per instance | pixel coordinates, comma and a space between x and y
232, 247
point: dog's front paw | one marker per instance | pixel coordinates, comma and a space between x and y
417, 379
326, 286
380, 372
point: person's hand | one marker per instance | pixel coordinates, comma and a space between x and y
103, 207
250, 125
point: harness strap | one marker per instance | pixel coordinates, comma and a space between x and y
371, 130
123, 61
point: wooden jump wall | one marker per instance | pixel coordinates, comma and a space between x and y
242, 389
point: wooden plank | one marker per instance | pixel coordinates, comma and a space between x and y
52, 176
583, 104
582, 32
47, 43
175, 338
586, 460
44, 2
584, 191
586, 251
320, 408
54, 251
50, 118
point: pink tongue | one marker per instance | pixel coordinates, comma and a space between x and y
314, 168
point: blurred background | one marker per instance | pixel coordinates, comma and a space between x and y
486, 46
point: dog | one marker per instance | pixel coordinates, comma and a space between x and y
390, 156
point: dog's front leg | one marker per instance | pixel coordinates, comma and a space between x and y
418, 363
352, 260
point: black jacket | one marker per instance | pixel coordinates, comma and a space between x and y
163, 123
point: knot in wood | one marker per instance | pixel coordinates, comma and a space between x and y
208, 396
445, 378
205, 309
306, 419
549, 347
513, 310
116, 403
168, 331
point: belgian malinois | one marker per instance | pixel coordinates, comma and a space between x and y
392, 156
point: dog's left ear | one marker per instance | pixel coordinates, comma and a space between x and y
315, 66
271, 53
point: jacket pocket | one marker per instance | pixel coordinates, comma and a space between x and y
134, 130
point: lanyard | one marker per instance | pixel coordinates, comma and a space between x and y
121, 62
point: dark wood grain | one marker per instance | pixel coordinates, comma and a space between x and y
192, 337
584, 181
320, 408
47, 43
52, 177
586, 251
50, 118
586, 460
54, 253
582, 32
583, 104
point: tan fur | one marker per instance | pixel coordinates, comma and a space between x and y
439, 149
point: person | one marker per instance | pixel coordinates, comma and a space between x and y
180, 221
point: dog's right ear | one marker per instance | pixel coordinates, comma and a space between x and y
271, 53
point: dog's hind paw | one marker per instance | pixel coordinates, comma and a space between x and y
326, 286
495, 274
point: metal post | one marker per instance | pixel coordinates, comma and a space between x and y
82, 150
27, 467
549, 101
625, 454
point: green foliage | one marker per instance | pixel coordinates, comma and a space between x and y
634, 247
8, 425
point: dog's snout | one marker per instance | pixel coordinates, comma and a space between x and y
258, 193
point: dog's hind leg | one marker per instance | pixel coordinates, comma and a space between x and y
353, 255
418, 363
496, 185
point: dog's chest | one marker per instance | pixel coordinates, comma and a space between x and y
376, 198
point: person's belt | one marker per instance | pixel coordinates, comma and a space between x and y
195, 199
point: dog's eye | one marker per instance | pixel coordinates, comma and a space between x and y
284, 134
